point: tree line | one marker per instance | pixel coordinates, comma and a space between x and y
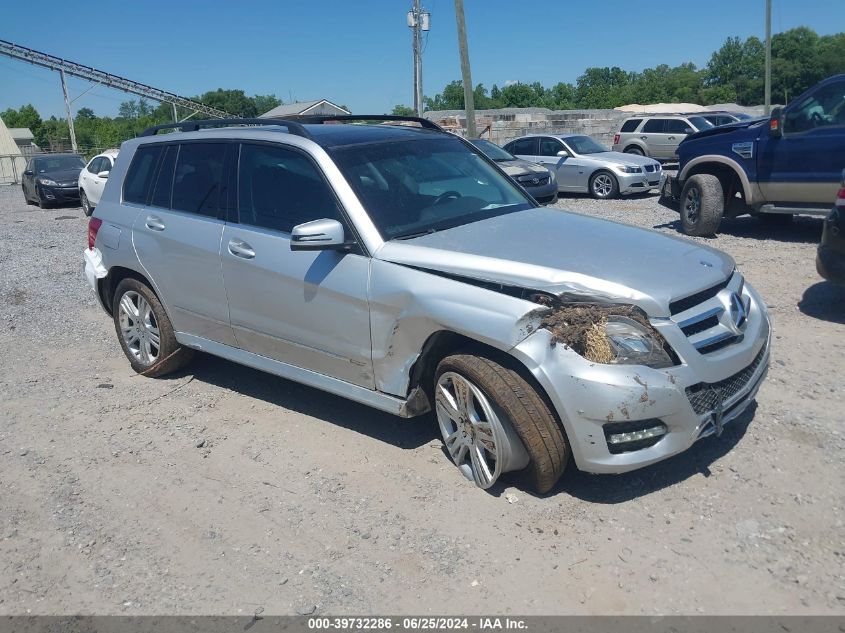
734, 74
94, 133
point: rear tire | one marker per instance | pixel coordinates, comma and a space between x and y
634, 150
702, 205
145, 332
603, 185
518, 408
87, 209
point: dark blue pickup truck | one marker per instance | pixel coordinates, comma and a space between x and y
772, 168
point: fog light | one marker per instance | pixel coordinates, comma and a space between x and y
633, 436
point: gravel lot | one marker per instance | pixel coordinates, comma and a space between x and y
225, 490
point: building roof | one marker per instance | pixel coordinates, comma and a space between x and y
297, 108
21, 133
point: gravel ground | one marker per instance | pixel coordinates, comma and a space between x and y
225, 490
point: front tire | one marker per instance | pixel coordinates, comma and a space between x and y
87, 209
604, 186
493, 421
702, 205
145, 332
634, 150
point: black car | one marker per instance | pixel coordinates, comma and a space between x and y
830, 258
52, 179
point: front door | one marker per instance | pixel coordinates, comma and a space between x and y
654, 136
805, 164
304, 308
566, 167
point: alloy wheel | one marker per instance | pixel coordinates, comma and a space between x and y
474, 433
602, 185
692, 204
139, 328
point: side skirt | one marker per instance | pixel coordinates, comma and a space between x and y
382, 401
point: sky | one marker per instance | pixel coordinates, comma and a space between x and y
359, 54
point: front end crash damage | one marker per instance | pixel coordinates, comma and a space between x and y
616, 383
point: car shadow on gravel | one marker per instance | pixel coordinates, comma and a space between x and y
410, 434
824, 301
801, 230
611, 489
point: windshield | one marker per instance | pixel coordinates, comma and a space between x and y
584, 145
415, 187
58, 163
700, 123
493, 151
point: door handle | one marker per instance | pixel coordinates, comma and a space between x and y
154, 223
671, 138
241, 249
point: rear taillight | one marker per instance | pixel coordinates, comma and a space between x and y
94, 225
616, 139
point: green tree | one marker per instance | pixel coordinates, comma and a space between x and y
232, 101
25, 116
265, 103
402, 110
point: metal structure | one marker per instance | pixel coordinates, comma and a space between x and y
419, 20
768, 89
65, 67
466, 75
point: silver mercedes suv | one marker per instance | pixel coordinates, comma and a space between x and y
398, 266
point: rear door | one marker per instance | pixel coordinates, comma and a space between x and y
178, 231
805, 164
305, 308
95, 183
653, 134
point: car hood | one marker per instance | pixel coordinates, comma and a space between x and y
62, 175
620, 158
519, 167
568, 254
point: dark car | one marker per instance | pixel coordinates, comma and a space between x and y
830, 258
52, 179
534, 178
719, 117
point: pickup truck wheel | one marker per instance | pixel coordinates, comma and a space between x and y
493, 422
604, 186
702, 205
144, 331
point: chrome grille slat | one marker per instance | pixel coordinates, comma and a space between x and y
704, 319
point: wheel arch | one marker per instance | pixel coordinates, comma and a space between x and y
726, 169
107, 286
640, 146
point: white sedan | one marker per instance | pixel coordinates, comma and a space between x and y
93, 178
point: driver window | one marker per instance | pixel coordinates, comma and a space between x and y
823, 108
550, 146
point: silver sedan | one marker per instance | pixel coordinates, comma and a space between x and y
583, 165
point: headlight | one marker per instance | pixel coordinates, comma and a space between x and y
632, 344
631, 170
47, 181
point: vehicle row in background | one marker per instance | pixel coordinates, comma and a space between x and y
789, 164
658, 135
582, 165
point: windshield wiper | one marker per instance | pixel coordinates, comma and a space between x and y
410, 236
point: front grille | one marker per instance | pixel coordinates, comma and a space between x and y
680, 305
705, 395
528, 181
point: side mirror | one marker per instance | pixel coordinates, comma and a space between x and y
28, 172
319, 235
689, 130
562, 153
776, 123
103, 174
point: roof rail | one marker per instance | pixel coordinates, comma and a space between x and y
294, 127
322, 118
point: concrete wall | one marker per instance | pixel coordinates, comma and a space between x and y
500, 126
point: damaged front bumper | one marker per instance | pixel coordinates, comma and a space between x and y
597, 402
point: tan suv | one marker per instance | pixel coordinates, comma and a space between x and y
657, 135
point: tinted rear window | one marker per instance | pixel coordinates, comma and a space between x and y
630, 125
655, 126
196, 184
140, 174
164, 180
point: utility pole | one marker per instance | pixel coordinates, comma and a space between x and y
419, 20
69, 115
768, 98
469, 105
